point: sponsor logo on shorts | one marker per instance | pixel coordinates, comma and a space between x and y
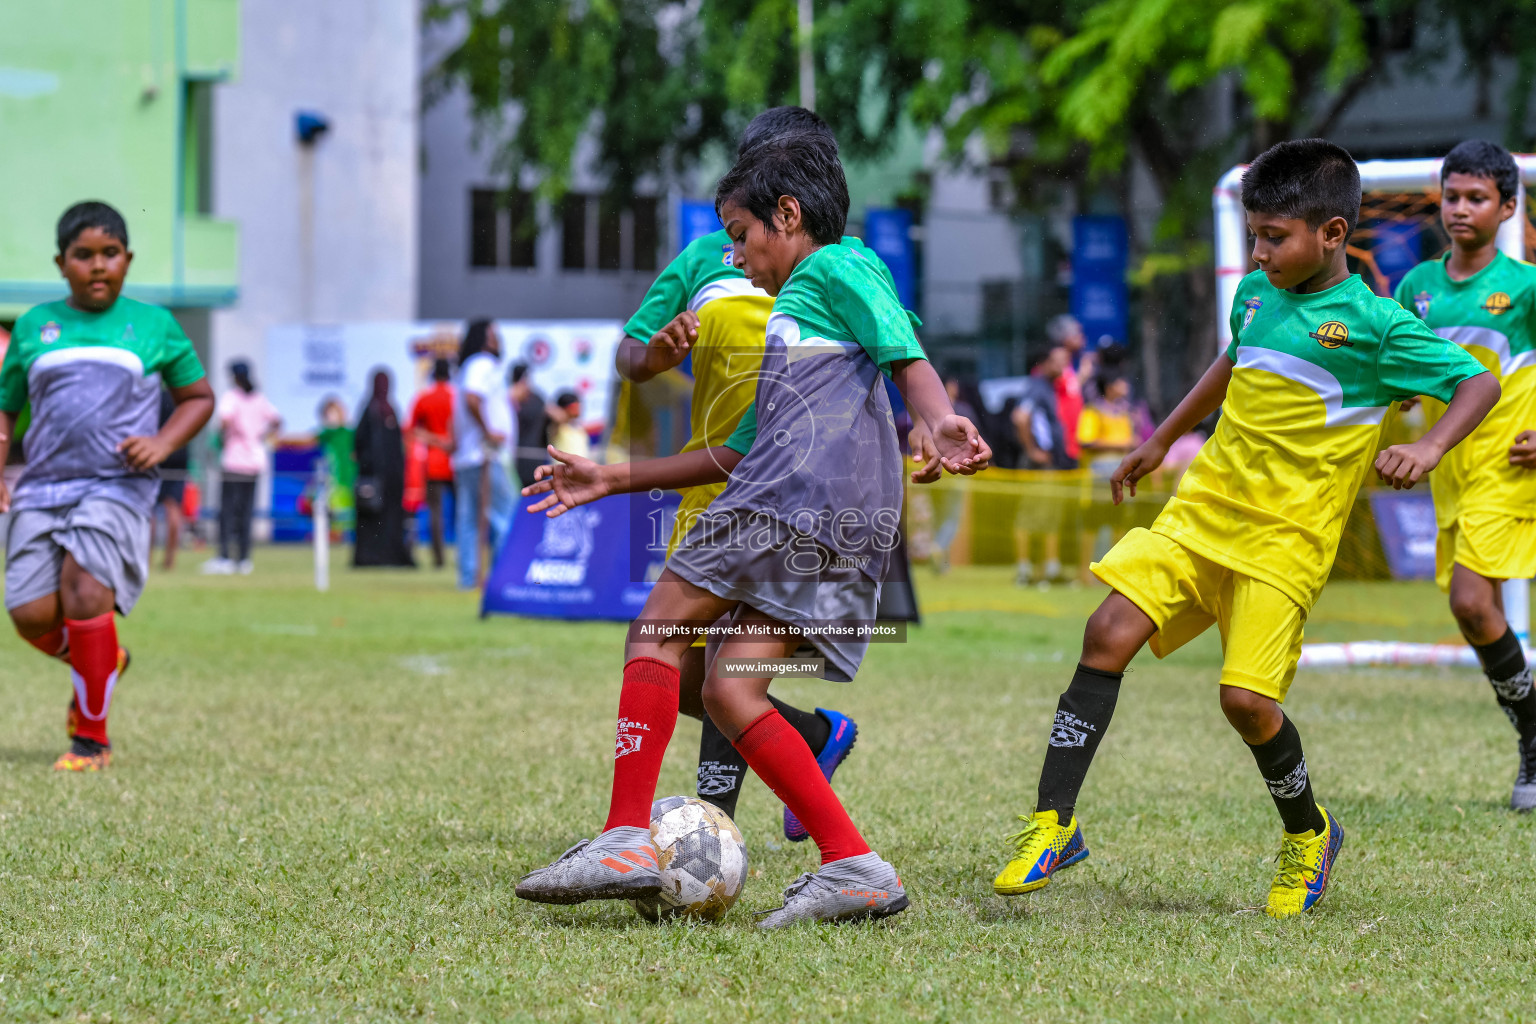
1333, 334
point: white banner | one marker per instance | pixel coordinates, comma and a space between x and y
309, 363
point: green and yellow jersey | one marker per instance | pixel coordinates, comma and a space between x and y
1492, 315
1313, 379
726, 355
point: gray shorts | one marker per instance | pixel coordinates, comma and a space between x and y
108, 539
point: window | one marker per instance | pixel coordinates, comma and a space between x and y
524, 233
573, 230
197, 148
610, 234
646, 233
482, 227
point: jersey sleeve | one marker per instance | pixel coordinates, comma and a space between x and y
858, 245
13, 376
667, 296
179, 365
1414, 360
1233, 322
866, 306
745, 433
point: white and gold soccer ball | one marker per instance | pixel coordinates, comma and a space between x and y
703, 860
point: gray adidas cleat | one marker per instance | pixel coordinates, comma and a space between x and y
858, 888
1523, 797
620, 864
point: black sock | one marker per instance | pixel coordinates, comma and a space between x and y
1082, 716
83, 747
722, 768
1284, 768
1504, 665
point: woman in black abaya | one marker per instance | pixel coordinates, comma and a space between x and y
380, 489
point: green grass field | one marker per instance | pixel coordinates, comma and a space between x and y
321, 804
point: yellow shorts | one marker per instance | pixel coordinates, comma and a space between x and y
1491, 544
1184, 593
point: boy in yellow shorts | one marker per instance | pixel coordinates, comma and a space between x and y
1246, 543
1485, 490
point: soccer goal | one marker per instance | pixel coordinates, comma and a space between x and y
1399, 227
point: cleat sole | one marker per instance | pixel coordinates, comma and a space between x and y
567, 897
1020, 890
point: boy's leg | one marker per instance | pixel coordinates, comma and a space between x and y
172, 532
466, 527
1477, 602
246, 491
93, 657
226, 517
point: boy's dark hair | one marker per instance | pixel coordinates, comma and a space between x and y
1308, 179
90, 214
777, 123
441, 371
519, 371
1037, 357
1483, 159
797, 166
566, 398
474, 339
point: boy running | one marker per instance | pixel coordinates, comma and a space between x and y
1485, 489
91, 367
800, 538
702, 306
1246, 542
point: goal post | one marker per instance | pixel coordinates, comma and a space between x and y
1402, 191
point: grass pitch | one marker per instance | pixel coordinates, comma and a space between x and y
321, 804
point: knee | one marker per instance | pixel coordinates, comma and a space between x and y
1108, 639
1469, 610
1247, 711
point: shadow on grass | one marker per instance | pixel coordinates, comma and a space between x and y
34, 755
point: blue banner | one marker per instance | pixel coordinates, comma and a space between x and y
1100, 299
1406, 525
598, 561
889, 233
695, 219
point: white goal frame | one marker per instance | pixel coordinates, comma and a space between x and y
1417, 175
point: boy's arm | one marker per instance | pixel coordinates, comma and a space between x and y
7, 428
574, 480
960, 446
1203, 399
1402, 465
194, 405
639, 362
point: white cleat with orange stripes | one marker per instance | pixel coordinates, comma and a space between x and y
620, 864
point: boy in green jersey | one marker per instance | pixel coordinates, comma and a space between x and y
78, 546
1485, 488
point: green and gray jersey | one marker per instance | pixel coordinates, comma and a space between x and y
93, 379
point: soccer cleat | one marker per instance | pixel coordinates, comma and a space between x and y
1306, 862
1523, 797
84, 756
862, 888
845, 732
72, 716
620, 864
1043, 847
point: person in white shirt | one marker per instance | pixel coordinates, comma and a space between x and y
484, 431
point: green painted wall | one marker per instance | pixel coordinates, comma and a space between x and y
94, 98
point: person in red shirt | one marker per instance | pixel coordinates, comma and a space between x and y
1067, 332
431, 424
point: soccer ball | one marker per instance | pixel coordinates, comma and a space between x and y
702, 857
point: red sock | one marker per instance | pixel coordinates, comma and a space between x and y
93, 655
647, 716
50, 643
782, 759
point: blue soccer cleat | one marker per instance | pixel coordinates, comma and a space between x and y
844, 733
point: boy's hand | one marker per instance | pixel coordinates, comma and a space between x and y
143, 453
1523, 452
670, 345
1403, 465
960, 446
1134, 466
920, 443
573, 479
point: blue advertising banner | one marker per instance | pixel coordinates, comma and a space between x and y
695, 219
1406, 524
598, 561
889, 233
1100, 300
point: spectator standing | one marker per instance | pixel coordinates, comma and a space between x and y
484, 429
431, 425
1067, 333
569, 435
336, 447
173, 485
247, 423
1042, 437
532, 424
380, 493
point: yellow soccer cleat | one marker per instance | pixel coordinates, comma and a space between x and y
1043, 847
1306, 862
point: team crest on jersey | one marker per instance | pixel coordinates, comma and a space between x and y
1496, 304
1332, 334
49, 334
728, 255
1252, 305
1421, 303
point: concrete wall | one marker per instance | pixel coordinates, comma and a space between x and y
329, 232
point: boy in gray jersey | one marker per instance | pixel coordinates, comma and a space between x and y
90, 367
